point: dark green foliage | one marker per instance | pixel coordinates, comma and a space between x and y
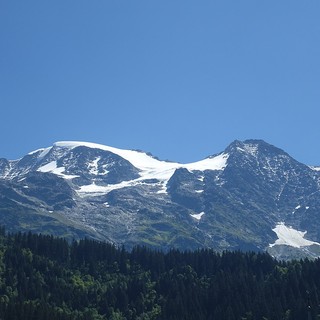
42, 277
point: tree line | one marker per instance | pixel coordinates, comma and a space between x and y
48, 278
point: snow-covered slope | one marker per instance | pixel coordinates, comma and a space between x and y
152, 168
52, 167
149, 167
291, 237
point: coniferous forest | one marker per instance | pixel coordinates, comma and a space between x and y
42, 277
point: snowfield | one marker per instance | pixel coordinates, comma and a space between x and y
52, 167
197, 216
291, 237
150, 167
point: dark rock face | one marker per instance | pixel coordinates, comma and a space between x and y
98, 192
103, 166
50, 189
4, 167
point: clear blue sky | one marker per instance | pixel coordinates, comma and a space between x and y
181, 79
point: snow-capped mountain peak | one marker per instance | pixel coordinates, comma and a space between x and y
234, 199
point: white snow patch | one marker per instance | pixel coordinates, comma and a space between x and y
52, 167
218, 162
307, 207
197, 216
43, 151
26, 187
291, 237
107, 204
249, 148
96, 190
93, 166
297, 207
163, 189
198, 191
49, 167
35, 151
201, 178
105, 171
315, 168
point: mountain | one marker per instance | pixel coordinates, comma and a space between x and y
251, 196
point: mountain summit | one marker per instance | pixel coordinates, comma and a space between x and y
251, 196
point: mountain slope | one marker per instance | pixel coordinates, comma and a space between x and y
237, 199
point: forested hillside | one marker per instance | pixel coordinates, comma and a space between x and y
42, 277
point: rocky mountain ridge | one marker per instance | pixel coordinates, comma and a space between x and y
250, 196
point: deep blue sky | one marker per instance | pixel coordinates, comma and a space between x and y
181, 79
